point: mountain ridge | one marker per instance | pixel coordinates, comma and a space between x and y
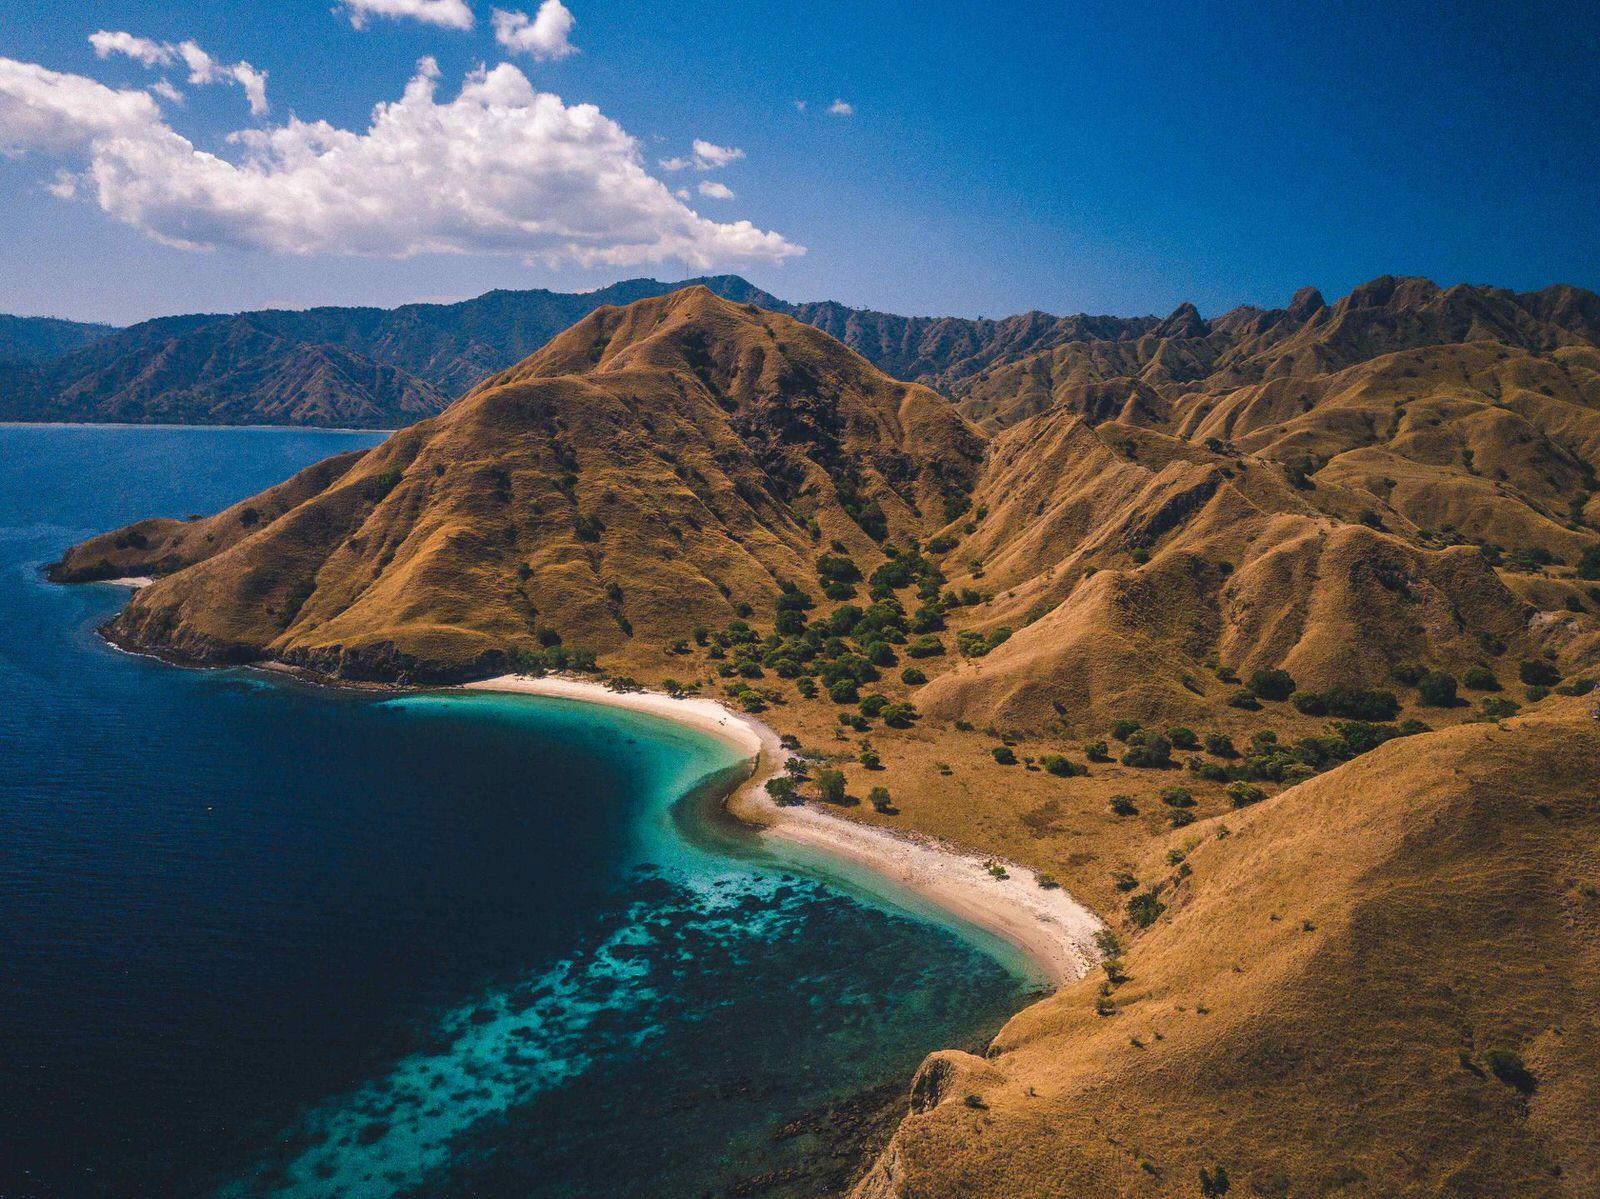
394, 365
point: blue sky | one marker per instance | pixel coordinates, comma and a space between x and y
1072, 156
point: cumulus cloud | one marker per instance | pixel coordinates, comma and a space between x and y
545, 35
707, 156
107, 42
164, 89
202, 68
715, 191
448, 14
500, 169
840, 108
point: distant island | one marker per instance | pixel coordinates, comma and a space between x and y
1271, 637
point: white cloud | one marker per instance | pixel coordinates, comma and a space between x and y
107, 42
708, 156
841, 109
799, 105
203, 69
715, 191
448, 14
163, 88
545, 35
499, 169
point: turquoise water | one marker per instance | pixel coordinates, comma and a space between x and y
264, 939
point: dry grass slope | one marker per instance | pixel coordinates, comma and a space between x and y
1325, 1005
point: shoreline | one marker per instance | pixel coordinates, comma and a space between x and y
1053, 930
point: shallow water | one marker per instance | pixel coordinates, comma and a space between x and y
266, 939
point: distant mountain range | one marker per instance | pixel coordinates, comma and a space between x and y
39, 339
379, 368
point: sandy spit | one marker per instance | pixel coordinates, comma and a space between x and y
1053, 929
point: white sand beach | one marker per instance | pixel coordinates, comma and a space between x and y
1052, 928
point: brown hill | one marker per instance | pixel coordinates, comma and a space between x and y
654, 467
1383, 982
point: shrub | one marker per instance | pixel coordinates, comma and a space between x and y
1510, 1069
1183, 738
1214, 1183
1538, 673
973, 644
1244, 794
1177, 797
925, 646
1243, 698
1145, 908
1123, 805
1180, 817
1407, 674
1535, 694
380, 486
1148, 750
1479, 678
1351, 703
912, 677
1437, 689
1589, 564
878, 797
782, 789
1121, 730
900, 715
870, 759
1212, 772
844, 692
1220, 745
1004, 755
873, 705
1059, 765
879, 653
1097, 751
830, 785
1497, 707
1274, 685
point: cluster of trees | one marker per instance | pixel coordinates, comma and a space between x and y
553, 657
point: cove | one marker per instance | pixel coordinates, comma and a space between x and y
263, 938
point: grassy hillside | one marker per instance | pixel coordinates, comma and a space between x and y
1383, 982
676, 459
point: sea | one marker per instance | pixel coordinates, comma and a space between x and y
265, 938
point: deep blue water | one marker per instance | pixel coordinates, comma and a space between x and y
258, 938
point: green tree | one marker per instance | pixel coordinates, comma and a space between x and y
830, 785
1274, 685
1437, 689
